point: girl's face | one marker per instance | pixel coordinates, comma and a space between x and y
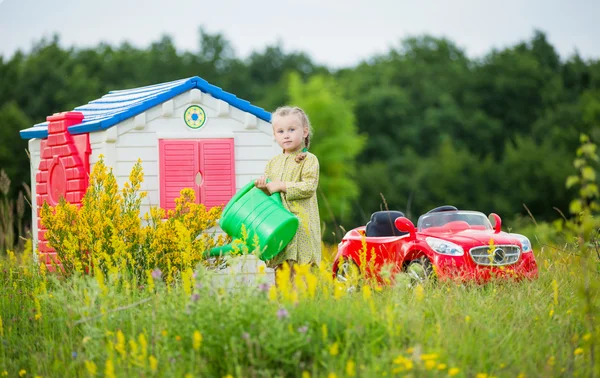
289, 132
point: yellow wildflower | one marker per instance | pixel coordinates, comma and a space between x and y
350, 368
22, 372
453, 371
366, 291
187, 278
338, 290
153, 363
311, 284
481, 375
100, 279
305, 374
143, 348
120, 345
587, 337
405, 364
431, 356
133, 347
91, 368
334, 349
150, 281
578, 351
441, 367
429, 364
273, 293
419, 293
197, 340
332, 375
467, 319
109, 370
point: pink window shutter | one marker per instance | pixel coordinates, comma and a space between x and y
217, 165
178, 168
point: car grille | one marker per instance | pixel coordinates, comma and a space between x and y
498, 256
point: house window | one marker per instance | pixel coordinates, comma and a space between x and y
206, 165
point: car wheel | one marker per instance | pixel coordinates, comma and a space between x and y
349, 273
420, 271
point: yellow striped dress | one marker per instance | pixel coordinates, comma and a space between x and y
301, 181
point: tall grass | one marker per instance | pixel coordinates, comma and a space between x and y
119, 326
12, 215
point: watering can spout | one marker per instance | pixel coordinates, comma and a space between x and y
256, 221
228, 248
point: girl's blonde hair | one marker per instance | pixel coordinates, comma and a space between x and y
283, 111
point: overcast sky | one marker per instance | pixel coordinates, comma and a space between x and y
333, 32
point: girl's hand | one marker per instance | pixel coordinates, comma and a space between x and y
261, 182
276, 186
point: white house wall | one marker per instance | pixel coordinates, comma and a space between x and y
138, 137
34, 153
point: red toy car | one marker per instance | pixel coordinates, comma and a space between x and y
447, 243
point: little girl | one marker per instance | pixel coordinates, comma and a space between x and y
295, 175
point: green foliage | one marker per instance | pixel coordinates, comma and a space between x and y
15, 214
586, 204
529, 168
92, 326
13, 149
335, 141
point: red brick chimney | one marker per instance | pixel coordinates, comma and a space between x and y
63, 172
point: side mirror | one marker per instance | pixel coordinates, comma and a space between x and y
496, 222
405, 225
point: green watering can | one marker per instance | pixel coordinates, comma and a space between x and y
263, 216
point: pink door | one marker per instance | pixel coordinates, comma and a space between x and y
205, 165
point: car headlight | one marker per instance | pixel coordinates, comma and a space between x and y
525, 243
445, 247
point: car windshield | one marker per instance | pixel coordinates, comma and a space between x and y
453, 220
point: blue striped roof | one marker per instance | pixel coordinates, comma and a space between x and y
117, 106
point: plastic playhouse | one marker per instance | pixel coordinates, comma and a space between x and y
188, 134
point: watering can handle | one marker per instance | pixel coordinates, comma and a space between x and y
276, 196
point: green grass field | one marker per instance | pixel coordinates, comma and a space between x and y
116, 326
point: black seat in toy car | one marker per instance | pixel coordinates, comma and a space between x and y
382, 224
